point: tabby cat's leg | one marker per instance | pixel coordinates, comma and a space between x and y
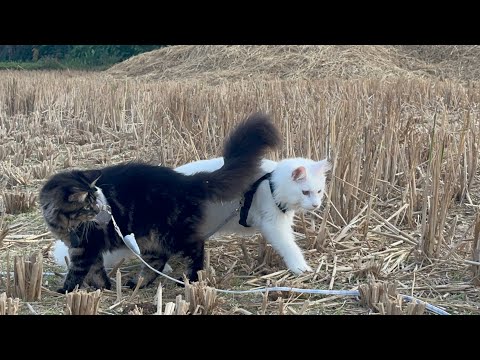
156, 259
97, 276
195, 251
81, 261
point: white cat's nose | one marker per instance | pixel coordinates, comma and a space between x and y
315, 205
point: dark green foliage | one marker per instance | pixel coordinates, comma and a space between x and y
75, 56
106, 54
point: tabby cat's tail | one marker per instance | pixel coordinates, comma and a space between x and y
242, 152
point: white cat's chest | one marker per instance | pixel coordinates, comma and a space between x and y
263, 211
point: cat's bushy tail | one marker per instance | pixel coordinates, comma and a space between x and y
243, 150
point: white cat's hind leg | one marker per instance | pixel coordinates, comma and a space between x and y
60, 251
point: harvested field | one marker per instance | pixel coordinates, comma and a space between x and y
403, 197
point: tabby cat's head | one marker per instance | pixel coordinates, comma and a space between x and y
70, 198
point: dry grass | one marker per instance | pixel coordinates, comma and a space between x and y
447, 61
402, 196
214, 64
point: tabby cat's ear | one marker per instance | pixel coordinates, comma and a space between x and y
299, 173
78, 196
94, 181
92, 176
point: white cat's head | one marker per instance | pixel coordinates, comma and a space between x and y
300, 183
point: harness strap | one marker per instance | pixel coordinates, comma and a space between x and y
248, 197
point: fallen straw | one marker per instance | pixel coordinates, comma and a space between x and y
131, 243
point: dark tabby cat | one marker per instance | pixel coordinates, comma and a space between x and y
162, 207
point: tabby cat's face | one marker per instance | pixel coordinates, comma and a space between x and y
70, 199
84, 205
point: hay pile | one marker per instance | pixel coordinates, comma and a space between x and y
458, 62
216, 63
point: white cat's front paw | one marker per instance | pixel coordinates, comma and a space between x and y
300, 268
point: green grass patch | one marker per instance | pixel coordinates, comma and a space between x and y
52, 64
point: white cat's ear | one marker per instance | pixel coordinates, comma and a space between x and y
321, 167
299, 173
78, 196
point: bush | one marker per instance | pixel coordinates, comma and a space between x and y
69, 56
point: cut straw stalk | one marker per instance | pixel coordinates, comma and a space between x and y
476, 250
19, 202
81, 302
159, 299
27, 277
437, 195
383, 298
179, 307
202, 299
119, 285
3, 229
8, 306
137, 288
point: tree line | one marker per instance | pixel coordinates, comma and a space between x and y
82, 55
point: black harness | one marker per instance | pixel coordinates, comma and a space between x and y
248, 197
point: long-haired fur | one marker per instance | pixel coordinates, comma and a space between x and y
163, 208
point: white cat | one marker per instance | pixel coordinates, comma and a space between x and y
294, 184
110, 259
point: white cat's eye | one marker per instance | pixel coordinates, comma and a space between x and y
306, 193
319, 191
